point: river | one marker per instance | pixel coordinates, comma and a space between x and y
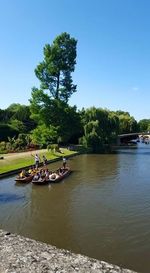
101, 210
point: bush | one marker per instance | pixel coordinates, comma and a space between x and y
3, 147
3, 151
53, 147
43, 135
7, 131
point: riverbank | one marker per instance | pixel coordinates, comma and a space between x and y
122, 147
14, 162
22, 255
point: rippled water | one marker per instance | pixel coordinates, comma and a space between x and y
101, 210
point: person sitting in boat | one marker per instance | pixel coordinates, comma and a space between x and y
42, 173
36, 170
53, 176
60, 171
47, 173
57, 174
36, 176
22, 174
40, 178
30, 171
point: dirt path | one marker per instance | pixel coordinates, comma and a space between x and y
23, 154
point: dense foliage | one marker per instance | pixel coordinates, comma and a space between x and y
50, 119
127, 124
95, 128
55, 71
15, 127
100, 128
17, 117
7, 131
49, 104
144, 125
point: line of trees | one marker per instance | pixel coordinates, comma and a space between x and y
50, 119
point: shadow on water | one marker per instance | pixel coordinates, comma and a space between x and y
140, 150
133, 153
20, 184
8, 197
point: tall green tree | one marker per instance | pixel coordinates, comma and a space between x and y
100, 128
127, 123
55, 71
49, 103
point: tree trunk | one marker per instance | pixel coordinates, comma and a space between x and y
57, 87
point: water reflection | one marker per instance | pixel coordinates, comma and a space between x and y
9, 197
102, 209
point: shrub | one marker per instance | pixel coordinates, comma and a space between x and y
7, 131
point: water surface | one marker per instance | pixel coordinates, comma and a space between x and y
101, 210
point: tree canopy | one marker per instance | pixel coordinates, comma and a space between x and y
127, 123
50, 118
100, 128
144, 125
49, 103
54, 72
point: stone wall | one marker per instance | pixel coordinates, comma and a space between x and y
22, 255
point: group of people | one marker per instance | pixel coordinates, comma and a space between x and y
43, 173
32, 171
40, 174
48, 175
37, 160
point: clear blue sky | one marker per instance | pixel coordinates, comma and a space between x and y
113, 62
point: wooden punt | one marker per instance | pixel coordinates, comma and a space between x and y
43, 181
25, 179
60, 177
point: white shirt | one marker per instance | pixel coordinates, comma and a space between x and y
36, 158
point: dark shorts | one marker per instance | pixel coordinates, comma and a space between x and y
37, 163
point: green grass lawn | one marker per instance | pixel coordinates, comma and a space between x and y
21, 160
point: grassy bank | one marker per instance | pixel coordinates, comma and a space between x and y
20, 160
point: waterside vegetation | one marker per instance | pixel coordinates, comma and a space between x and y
21, 160
49, 118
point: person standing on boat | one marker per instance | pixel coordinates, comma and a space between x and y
37, 160
44, 160
64, 162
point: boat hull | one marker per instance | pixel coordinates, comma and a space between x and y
40, 182
61, 177
25, 179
